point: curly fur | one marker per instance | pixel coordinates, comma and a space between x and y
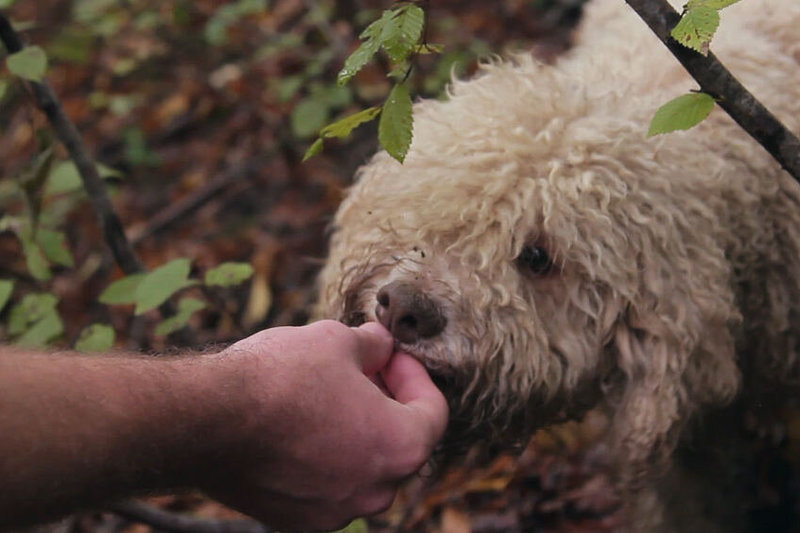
677, 256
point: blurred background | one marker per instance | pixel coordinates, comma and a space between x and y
203, 109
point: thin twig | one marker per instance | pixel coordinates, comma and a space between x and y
178, 523
717, 81
68, 134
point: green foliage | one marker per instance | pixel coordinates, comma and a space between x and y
157, 286
3, 88
6, 288
395, 127
122, 291
54, 245
34, 320
682, 113
356, 526
341, 129
64, 177
398, 32
228, 274
95, 338
30, 63
186, 308
699, 23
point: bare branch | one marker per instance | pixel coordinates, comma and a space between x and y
717, 81
67, 133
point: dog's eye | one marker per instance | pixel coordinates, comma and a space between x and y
535, 259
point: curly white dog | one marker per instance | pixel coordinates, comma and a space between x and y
542, 256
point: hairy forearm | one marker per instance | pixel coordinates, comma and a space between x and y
79, 430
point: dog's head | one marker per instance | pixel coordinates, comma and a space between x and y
537, 259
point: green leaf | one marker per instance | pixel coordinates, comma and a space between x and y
358, 60
344, 127
3, 88
35, 260
42, 331
32, 308
711, 4
54, 246
228, 274
95, 338
186, 308
6, 288
30, 63
428, 48
313, 150
401, 34
308, 117
681, 113
64, 177
696, 28
396, 125
158, 285
356, 526
122, 291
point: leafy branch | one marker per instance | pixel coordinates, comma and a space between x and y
68, 134
35, 319
399, 32
716, 81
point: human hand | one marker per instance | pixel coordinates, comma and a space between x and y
313, 441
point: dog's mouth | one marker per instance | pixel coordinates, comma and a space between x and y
354, 318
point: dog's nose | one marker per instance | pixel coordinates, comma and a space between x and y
408, 312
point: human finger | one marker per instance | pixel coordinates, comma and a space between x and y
409, 383
374, 347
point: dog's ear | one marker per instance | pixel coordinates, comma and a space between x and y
675, 350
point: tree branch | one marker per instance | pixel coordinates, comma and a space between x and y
162, 520
717, 81
67, 133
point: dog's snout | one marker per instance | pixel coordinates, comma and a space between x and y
408, 312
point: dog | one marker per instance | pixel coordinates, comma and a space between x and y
542, 256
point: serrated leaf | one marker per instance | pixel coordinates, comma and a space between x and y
228, 274
357, 60
375, 29
122, 291
30, 63
313, 150
682, 113
396, 125
186, 308
95, 338
308, 117
344, 127
6, 288
696, 28
158, 285
32, 308
402, 32
54, 246
42, 331
711, 4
